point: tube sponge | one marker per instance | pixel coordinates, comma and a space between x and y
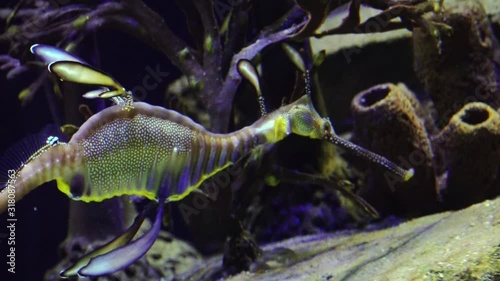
457, 68
387, 123
471, 145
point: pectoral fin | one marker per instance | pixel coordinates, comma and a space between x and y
119, 241
126, 255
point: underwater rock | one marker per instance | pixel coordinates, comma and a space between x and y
387, 123
457, 245
459, 67
170, 256
240, 251
471, 143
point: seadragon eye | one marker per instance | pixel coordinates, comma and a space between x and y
327, 128
302, 121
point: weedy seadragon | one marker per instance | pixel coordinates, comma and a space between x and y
134, 148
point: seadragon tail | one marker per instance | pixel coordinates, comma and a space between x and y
54, 161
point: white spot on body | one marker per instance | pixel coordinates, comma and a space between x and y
127, 151
267, 126
235, 141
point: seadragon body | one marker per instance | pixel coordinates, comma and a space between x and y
139, 149
131, 152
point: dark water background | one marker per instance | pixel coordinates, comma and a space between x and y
42, 215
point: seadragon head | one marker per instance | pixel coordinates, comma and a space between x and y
305, 120
301, 118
